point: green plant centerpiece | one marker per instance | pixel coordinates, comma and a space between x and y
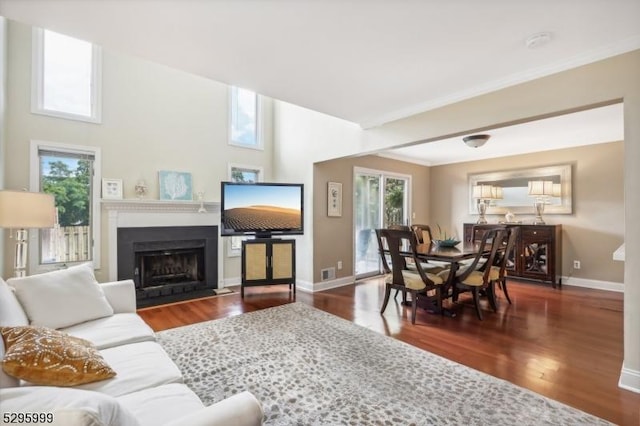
445, 240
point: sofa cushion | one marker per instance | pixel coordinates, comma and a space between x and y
139, 366
6, 381
48, 357
118, 329
70, 407
62, 298
11, 313
162, 404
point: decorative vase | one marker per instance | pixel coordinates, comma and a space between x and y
141, 189
510, 217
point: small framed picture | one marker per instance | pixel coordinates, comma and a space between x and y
175, 185
112, 189
334, 199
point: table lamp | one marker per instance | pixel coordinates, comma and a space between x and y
541, 189
482, 193
21, 210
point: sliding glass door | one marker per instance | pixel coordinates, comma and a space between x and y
381, 199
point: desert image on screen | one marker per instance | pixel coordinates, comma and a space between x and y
262, 207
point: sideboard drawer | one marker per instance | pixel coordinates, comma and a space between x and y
533, 232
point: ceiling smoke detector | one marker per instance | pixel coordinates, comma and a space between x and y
537, 40
475, 141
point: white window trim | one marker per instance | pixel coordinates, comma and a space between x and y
34, 185
259, 146
231, 252
37, 82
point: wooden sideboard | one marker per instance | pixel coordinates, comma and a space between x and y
537, 254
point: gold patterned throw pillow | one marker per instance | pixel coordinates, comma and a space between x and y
49, 357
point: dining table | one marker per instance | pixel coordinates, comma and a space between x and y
454, 256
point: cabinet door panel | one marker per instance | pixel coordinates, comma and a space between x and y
281, 257
255, 262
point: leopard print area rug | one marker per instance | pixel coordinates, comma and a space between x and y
308, 367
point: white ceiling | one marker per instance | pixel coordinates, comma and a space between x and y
367, 61
598, 125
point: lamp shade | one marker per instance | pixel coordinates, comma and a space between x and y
484, 192
496, 192
540, 188
20, 209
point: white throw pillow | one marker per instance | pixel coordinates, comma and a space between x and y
11, 313
69, 407
62, 298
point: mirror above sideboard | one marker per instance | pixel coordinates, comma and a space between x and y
514, 186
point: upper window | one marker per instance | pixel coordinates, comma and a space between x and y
66, 77
244, 126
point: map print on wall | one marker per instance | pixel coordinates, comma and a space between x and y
175, 185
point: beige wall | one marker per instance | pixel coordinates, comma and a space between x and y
591, 234
602, 82
334, 236
154, 118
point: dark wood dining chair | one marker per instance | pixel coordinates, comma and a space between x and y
505, 258
470, 278
424, 236
400, 246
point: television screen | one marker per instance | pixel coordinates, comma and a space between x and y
261, 209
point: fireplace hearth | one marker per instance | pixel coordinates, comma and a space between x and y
169, 264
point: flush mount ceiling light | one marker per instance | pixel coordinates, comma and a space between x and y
537, 40
475, 141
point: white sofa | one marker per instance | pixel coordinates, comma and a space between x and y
148, 388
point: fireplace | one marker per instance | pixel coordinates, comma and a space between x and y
169, 263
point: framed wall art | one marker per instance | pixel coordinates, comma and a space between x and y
334, 199
175, 185
112, 189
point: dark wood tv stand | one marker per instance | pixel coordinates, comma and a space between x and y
268, 261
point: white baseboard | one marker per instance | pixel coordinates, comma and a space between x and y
325, 285
595, 284
230, 281
629, 380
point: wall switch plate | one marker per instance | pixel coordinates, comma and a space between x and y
339, 264
576, 264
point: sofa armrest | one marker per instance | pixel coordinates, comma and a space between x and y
242, 409
121, 295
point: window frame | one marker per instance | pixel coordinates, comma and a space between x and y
37, 82
231, 250
259, 145
34, 185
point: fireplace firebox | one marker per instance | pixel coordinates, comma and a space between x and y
169, 264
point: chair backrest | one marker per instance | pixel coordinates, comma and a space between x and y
505, 252
478, 230
423, 233
492, 240
383, 250
401, 245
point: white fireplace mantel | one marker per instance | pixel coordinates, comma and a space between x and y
160, 206
135, 213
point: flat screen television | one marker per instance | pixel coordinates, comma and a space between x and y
261, 209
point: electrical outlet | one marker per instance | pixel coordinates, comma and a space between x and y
339, 264
576, 264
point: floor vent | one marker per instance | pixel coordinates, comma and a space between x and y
328, 274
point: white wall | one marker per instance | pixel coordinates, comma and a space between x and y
154, 118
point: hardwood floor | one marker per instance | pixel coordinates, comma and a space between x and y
565, 344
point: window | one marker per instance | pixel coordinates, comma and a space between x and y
66, 77
71, 174
244, 126
245, 174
